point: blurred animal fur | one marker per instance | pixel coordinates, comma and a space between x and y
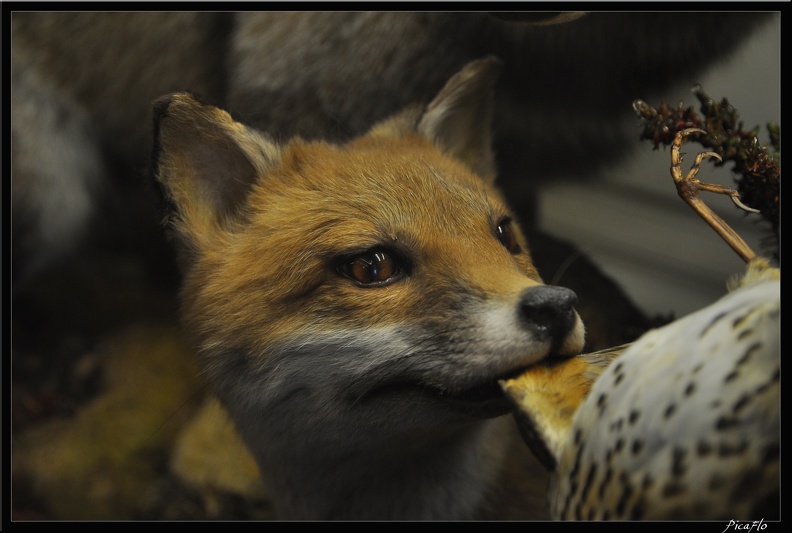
81, 84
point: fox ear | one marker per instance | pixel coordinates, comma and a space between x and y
205, 163
459, 119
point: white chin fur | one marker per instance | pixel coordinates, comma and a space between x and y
492, 345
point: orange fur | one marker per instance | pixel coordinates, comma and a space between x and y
361, 399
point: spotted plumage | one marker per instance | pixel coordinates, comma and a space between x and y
682, 425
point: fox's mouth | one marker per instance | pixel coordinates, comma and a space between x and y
484, 399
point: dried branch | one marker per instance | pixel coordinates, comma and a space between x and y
688, 188
758, 169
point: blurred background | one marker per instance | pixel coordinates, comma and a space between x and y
631, 221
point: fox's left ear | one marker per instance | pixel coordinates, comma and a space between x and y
459, 119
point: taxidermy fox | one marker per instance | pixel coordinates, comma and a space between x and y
355, 305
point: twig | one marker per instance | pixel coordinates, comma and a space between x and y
758, 168
688, 188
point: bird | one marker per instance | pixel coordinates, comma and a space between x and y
681, 424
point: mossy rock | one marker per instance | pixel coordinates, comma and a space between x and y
210, 455
98, 463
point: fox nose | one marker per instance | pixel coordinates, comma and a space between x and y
548, 312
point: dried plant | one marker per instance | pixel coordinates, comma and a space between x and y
718, 128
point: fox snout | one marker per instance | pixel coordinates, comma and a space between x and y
548, 312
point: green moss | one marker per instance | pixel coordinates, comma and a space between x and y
97, 464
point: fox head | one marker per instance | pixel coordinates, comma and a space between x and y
383, 281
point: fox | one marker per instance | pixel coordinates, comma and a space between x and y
355, 304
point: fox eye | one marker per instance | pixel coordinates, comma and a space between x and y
507, 236
375, 267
